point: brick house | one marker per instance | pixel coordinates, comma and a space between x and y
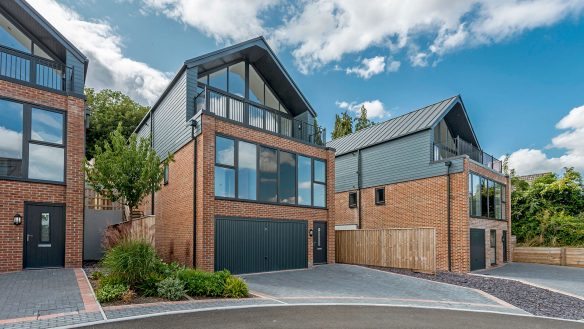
42, 128
251, 185
426, 169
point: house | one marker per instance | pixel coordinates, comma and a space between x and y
251, 185
426, 168
532, 177
42, 126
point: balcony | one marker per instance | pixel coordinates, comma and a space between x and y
461, 147
240, 110
34, 70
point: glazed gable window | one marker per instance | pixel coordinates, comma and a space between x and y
32, 142
486, 197
247, 171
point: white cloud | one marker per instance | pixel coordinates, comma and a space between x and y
393, 66
527, 161
108, 67
223, 20
375, 108
369, 67
10, 143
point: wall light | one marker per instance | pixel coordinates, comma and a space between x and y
17, 220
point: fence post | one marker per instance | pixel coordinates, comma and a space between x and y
563, 256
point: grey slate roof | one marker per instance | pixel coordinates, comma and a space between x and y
402, 125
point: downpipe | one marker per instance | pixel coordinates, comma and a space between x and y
448, 164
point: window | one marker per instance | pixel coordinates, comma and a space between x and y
46, 126
247, 171
271, 100
304, 181
287, 181
219, 79
11, 135
46, 162
268, 171
352, 199
237, 79
256, 86
380, 196
45, 236
487, 198
319, 184
224, 167
12, 37
165, 174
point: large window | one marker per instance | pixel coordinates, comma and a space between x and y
36, 153
487, 198
267, 175
12, 37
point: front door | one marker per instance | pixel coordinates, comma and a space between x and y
319, 241
477, 249
504, 240
44, 238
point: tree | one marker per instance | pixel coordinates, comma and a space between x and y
317, 133
107, 109
362, 121
125, 170
343, 125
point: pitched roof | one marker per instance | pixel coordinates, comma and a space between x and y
406, 124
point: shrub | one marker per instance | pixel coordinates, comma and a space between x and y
132, 261
216, 284
110, 292
170, 269
235, 288
111, 280
96, 275
199, 283
128, 296
149, 286
171, 288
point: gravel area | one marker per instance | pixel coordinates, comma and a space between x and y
536, 301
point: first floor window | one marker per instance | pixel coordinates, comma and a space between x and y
352, 199
224, 167
247, 171
380, 196
166, 174
487, 198
287, 179
304, 181
268, 171
11, 138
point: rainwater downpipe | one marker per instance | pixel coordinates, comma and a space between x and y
193, 127
359, 186
448, 164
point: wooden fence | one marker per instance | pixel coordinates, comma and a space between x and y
411, 248
553, 256
137, 229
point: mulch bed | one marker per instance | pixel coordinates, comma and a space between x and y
534, 300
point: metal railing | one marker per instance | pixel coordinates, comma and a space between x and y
240, 110
34, 70
462, 147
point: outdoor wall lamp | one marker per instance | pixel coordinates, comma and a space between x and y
17, 220
310, 232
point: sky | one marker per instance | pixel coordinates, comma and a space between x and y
518, 64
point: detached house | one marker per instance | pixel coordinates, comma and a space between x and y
251, 185
427, 169
42, 116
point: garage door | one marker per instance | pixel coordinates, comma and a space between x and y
477, 249
259, 245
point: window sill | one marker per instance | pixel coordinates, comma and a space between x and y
269, 203
380, 203
488, 218
28, 180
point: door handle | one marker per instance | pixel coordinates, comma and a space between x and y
28, 237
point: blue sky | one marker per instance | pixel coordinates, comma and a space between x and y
517, 64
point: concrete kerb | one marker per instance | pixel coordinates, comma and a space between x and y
304, 304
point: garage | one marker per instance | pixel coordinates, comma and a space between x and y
244, 245
477, 249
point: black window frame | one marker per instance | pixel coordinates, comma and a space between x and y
225, 166
235, 167
378, 200
27, 141
485, 183
165, 174
354, 196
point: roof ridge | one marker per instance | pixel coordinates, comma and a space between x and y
394, 118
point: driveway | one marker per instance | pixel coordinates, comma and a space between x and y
564, 279
59, 296
339, 283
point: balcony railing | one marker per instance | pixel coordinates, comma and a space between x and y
240, 110
34, 70
462, 147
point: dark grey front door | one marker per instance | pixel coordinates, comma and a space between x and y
44, 236
319, 242
477, 249
504, 240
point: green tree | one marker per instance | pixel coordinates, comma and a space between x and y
317, 133
125, 170
107, 109
343, 125
362, 121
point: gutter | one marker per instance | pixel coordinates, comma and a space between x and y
448, 164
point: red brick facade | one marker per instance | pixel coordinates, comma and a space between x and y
14, 194
174, 203
423, 203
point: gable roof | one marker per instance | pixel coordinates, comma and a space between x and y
403, 125
258, 52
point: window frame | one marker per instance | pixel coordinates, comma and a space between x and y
235, 167
503, 205
27, 140
379, 202
353, 205
165, 174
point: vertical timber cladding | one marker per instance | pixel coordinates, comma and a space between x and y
245, 245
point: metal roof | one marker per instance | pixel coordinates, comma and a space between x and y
406, 124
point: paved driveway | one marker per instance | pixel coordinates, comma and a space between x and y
354, 284
569, 280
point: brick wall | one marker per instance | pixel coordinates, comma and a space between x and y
13, 194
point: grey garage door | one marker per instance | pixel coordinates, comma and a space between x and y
259, 245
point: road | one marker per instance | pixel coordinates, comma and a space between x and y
343, 316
